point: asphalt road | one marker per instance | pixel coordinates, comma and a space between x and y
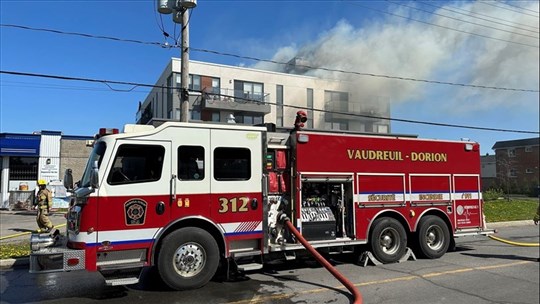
481, 270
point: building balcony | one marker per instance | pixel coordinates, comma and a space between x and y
235, 100
338, 110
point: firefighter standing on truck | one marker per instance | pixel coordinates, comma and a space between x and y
43, 204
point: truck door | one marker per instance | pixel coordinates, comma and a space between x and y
236, 186
191, 166
134, 194
467, 202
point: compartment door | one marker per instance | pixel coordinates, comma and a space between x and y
467, 201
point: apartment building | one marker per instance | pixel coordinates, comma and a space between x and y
517, 164
249, 96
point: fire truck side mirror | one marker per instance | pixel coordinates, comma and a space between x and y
68, 180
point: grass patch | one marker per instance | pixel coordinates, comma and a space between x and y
14, 250
513, 210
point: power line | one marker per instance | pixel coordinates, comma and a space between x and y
471, 14
461, 20
281, 63
508, 9
366, 74
107, 82
441, 26
517, 6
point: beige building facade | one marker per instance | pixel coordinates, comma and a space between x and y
254, 96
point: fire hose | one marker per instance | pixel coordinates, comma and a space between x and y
513, 243
350, 286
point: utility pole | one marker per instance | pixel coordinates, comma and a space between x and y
179, 9
184, 69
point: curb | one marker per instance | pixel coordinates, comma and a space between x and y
13, 263
510, 224
25, 261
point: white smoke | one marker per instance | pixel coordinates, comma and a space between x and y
405, 48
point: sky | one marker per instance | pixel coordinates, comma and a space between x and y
429, 59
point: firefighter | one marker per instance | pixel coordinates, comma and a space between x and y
43, 204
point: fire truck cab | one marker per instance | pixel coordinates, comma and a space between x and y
187, 197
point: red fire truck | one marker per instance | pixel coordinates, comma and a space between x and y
189, 197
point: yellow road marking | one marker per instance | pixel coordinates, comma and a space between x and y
24, 233
259, 299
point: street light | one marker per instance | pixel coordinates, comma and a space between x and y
178, 9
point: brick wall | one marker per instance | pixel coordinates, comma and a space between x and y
73, 154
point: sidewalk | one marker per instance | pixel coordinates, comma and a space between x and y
24, 222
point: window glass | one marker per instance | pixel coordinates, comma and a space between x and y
216, 85
23, 168
191, 163
216, 116
137, 164
232, 164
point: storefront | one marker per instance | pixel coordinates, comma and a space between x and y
25, 158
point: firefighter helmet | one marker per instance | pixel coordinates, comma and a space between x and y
42, 182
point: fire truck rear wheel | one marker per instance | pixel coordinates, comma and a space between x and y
188, 258
433, 237
388, 240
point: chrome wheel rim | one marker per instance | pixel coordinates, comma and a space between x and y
389, 241
434, 237
189, 259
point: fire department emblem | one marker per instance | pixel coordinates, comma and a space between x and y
135, 211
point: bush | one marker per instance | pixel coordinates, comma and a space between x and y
492, 194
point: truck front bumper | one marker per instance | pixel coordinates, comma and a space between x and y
50, 254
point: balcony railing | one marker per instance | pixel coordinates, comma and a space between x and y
235, 100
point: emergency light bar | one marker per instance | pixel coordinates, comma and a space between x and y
106, 131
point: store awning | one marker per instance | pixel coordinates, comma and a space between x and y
19, 144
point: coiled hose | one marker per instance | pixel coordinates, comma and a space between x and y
350, 286
513, 243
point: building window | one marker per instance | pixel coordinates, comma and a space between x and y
232, 164
170, 90
248, 119
191, 163
195, 114
512, 173
511, 152
529, 171
381, 128
279, 105
249, 91
309, 93
23, 168
528, 149
216, 86
195, 82
336, 104
216, 116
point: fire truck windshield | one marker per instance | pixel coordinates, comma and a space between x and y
96, 155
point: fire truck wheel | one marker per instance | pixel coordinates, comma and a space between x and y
388, 240
188, 258
433, 237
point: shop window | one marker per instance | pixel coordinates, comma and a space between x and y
23, 168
